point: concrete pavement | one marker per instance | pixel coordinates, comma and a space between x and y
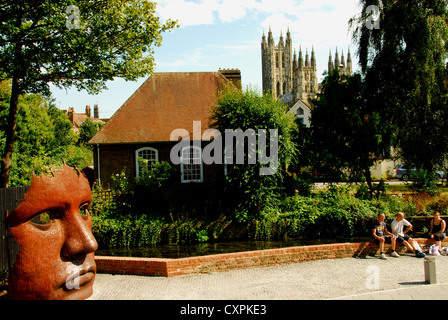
366, 278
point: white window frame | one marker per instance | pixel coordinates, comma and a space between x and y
196, 161
137, 166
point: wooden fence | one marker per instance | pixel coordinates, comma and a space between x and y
9, 200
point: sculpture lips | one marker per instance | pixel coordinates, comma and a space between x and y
79, 279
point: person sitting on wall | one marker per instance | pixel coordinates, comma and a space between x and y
438, 226
379, 229
397, 226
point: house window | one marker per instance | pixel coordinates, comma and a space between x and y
145, 159
191, 164
300, 114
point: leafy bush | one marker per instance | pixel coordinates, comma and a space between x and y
336, 213
424, 181
155, 188
201, 212
439, 204
250, 110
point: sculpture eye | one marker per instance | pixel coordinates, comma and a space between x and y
42, 218
83, 209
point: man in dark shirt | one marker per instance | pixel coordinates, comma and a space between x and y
379, 229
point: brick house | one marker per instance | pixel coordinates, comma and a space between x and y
77, 119
141, 128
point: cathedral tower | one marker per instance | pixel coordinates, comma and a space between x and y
277, 64
345, 68
305, 77
283, 73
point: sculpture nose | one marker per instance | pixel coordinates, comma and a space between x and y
79, 239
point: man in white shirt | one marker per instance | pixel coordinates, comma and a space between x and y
397, 229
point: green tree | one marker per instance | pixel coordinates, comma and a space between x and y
43, 136
88, 129
403, 62
82, 46
248, 110
346, 132
63, 133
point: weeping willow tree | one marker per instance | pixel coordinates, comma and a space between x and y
403, 49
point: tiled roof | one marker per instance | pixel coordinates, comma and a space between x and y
163, 103
78, 119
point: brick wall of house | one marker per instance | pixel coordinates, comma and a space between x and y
237, 260
114, 158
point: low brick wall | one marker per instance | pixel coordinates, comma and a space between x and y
132, 266
237, 260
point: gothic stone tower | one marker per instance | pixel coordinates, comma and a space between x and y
277, 65
344, 68
305, 77
284, 74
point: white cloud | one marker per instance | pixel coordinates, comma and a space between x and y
314, 22
187, 12
196, 57
307, 19
231, 10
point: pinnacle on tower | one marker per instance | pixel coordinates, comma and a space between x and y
288, 43
294, 60
313, 57
330, 63
281, 42
263, 41
349, 62
336, 59
307, 59
270, 38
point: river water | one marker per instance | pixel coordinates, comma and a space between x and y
175, 251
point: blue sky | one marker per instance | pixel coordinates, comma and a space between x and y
223, 34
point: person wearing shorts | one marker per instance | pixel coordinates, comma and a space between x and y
438, 226
381, 236
397, 227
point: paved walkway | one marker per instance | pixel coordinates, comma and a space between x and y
343, 279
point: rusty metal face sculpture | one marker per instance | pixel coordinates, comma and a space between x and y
54, 231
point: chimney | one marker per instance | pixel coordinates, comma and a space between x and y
88, 111
70, 113
96, 111
233, 75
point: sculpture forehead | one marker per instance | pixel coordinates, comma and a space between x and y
67, 187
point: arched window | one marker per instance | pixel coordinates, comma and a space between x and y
300, 115
278, 90
191, 164
144, 159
